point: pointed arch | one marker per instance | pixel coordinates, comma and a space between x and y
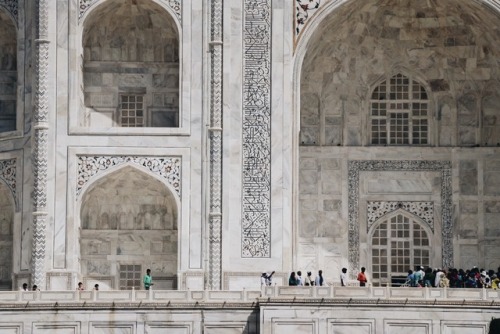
129, 222
140, 49
399, 241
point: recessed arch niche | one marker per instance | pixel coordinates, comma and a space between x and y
449, 44
129, 222
130, 66
8, 73
7, 209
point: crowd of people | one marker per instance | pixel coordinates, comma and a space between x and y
297, 279
453, 278
420, 277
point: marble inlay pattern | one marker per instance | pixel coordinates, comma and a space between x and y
423, 210
256, 221
40, 145
304, 9
8, 176
216, 108
175, 5
11, 6
166, 167
357, 166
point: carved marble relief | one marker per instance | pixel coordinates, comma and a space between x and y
175, 5
8, 176
423, 210
357, 166
11, 6
168, 168
256, 211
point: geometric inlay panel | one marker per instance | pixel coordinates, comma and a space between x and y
168, 168
378, 209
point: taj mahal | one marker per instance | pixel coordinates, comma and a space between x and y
211, 141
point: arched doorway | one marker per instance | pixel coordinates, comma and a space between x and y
7, 209
8, 73
129, 223
130, 66
399, 242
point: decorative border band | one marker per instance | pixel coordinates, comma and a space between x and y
168, 168
84, 5
357, 166
256, 187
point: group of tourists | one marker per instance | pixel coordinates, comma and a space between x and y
296, 279
453, 278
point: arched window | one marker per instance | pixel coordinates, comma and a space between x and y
130, 66
399, 112
398, 243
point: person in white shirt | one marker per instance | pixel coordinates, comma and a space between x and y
343, 277
300, 280
320, 280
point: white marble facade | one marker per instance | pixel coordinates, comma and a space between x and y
213, 140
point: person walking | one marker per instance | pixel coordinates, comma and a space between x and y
148, 280
362, 277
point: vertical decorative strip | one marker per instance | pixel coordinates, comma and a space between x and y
40, 145
215, 217
256, 211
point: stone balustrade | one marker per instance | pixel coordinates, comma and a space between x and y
130, 298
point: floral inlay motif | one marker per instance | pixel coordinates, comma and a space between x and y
423, 210
303, 9
167, 167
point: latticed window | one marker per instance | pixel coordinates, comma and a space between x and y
399, 110
398, 243
130, 277
132, 110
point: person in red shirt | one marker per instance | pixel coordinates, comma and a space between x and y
362, 277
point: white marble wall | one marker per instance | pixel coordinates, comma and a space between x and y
307, 190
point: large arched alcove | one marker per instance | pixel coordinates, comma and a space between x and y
447, 49
130, 66
7, 209
447, 44
128, 224
8, 73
